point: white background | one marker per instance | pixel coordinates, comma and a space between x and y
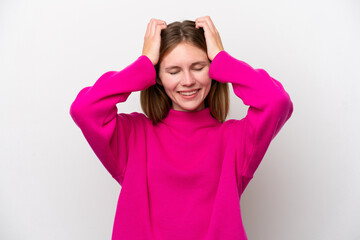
52, 186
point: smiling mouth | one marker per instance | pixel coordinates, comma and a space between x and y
189, 93
195, 90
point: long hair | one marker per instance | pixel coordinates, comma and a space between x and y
155, 103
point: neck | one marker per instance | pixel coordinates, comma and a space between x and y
200, 107
190, 119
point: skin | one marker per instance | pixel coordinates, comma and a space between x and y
183, 55
184, 76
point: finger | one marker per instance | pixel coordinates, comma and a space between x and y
199, 18
151, 27
156, 23
205, 24
208, 21
148, 29
160, 27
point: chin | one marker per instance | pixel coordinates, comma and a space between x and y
190, 108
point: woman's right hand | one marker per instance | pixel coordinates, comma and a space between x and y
152, 39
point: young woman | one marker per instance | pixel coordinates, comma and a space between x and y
182, 168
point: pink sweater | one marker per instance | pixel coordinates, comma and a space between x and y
181, 179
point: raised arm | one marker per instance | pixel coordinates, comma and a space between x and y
95, 113
94, 109
269, 104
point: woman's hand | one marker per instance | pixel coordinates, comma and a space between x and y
152, 39
212, 36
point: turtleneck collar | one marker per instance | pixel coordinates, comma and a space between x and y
201, 118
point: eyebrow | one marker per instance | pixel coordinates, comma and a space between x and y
194, 63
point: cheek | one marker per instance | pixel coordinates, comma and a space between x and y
207, 85
205, 80
169, 83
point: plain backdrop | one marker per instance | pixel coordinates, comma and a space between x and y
52, 186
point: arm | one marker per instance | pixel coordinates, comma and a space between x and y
269, 104
94, 111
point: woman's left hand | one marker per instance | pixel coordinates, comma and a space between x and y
212, 36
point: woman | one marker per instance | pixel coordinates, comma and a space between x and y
182, 167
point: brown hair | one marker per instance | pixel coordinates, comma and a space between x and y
155, 103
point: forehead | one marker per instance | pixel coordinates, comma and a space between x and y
184, 54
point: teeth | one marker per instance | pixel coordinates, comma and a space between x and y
189, 93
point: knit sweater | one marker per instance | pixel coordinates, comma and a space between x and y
181, 179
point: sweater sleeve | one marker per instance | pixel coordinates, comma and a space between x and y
94, 111
269, 104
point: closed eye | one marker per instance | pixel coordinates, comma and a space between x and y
199, 69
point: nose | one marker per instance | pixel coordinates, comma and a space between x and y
188, 79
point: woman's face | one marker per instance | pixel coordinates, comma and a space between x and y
185, 69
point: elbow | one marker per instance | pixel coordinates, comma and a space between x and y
78, 106
284, 105
280, 99
76, 112
290, 109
